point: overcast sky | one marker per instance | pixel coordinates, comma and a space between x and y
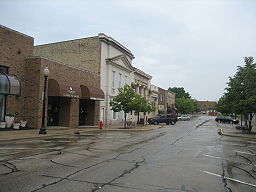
195, 44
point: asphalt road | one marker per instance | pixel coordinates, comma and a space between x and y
187, 157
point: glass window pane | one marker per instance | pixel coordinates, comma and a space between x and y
14, 85
4, 84
3, 69
2, 106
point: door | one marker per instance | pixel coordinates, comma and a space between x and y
53, 111
82, 112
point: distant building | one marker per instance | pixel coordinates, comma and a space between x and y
162, 105
206, 106
142, 85
170, 101
153, 99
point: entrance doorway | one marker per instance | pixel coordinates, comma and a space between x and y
53, 111
86, 112
83, 115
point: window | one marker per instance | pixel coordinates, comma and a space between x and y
4, 89
161, 97
125, 80
120, 80
2, 107
114, 115
113, 79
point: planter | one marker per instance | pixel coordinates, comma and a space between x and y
2, 125
9, 121
23, 123
16, 125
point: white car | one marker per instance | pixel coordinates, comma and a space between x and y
184, 118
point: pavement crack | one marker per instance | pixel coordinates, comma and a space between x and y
11, 167
244, 171
61, 164
202, 123
246, 158
223, 177
137, 164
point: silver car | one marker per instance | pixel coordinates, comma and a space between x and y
184, 118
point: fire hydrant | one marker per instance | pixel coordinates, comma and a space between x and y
101, 124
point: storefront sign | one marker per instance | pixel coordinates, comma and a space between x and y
70, 92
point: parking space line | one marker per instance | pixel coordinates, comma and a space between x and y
231, 179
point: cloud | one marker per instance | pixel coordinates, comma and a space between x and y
195, 44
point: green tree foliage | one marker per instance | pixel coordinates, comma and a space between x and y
127, 100
180, 92
140, 104
240, 97
185, 105
124, 101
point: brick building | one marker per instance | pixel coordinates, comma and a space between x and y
101, 55
170, 101
73, 92
162, 104
206, 106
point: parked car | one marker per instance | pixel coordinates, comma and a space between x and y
184, 118
226, 119
169, 118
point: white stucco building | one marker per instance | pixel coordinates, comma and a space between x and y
116, 71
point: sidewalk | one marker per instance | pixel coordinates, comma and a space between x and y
13, 135
237, 133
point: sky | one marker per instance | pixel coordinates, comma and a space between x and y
195, 44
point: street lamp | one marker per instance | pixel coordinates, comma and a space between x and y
43, 127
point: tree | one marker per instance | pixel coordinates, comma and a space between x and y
185, 105
241, 92
140, 104
124, 101
180, 92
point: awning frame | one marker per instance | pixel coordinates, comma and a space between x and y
92, 93
10, 84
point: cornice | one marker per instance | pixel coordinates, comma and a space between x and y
113, 42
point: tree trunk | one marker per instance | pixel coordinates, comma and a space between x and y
241, 120
138, 120
246, 121
124, 120
250, 122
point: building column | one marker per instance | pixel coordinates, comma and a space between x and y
74, 113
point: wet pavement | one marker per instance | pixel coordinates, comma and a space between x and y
187, 157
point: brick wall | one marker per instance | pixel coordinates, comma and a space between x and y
14, 48
69, 111
81, 53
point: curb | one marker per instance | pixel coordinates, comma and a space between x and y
221, 132
73, 131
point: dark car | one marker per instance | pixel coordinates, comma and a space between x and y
169, 118
226, 119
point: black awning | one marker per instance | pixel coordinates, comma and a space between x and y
9, 84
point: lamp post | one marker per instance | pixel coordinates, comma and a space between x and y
43, 127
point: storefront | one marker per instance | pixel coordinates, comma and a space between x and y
73, 93
90, 98
9, 85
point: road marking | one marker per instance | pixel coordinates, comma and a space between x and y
5, 148
211, 156
231, 179
226, 143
